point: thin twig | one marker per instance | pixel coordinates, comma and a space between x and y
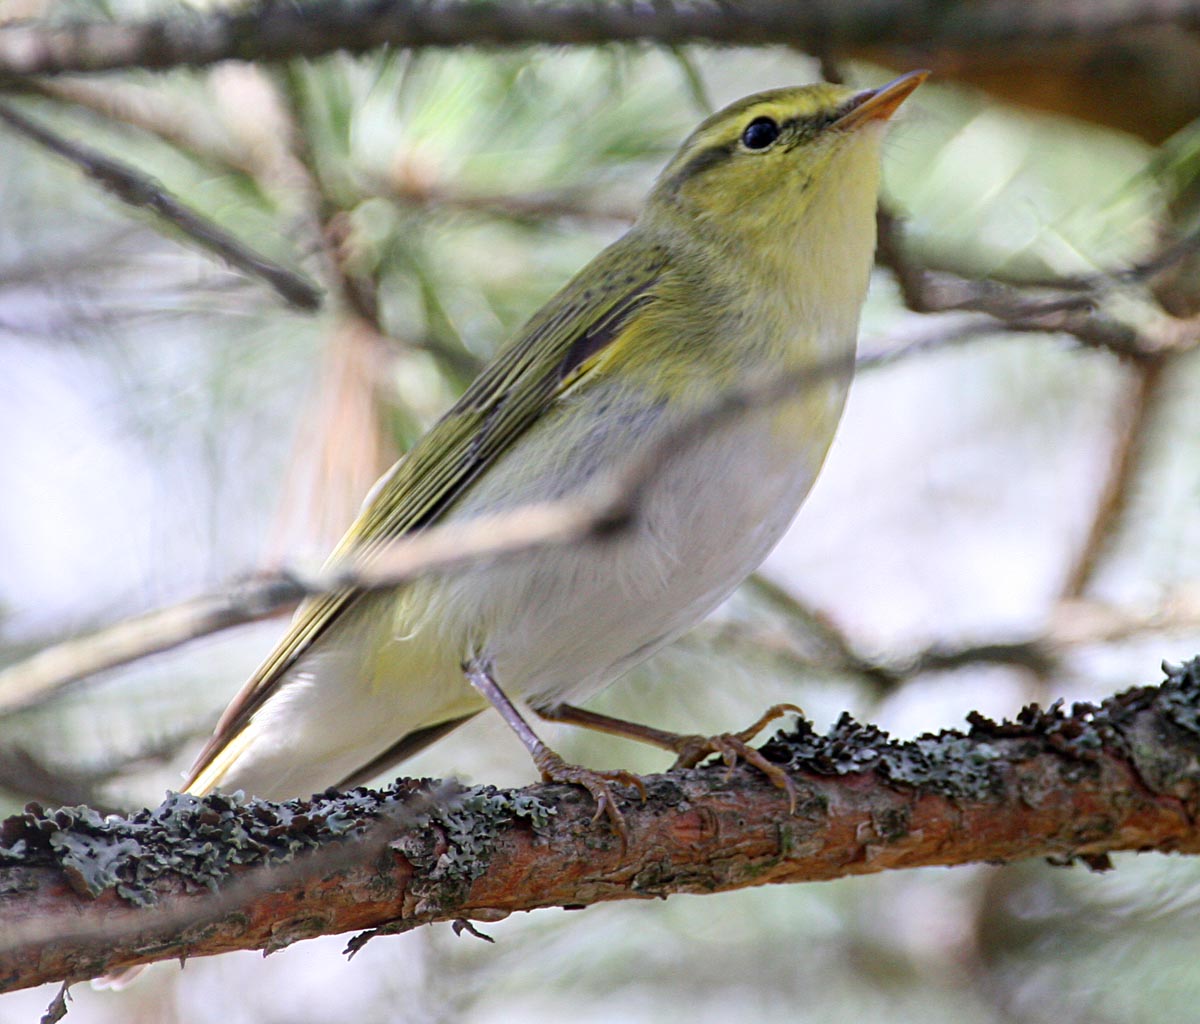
150, 111
1149, 346
438, 548
1081, 621
29, 776
838, 650
1037, 310
943, 289
137, 190
1138, 273
324, 215
1073, 624
889, 251
609, 508
516, 206
1138, 406
344, 446
24, 773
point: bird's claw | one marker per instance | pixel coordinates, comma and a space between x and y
598, 783
732, 747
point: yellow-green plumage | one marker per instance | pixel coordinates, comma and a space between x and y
745, 263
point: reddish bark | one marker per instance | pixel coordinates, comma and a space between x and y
1125, 776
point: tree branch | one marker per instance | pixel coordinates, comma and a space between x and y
134, 188
611, 507
29, 775
279, 31
437, 549
608, 506
1044, 307
1072, 623
1138, 405
83, 894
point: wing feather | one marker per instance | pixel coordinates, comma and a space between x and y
554, 350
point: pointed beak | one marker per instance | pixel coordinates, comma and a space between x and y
880, 104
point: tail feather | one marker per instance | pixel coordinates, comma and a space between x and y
207, 775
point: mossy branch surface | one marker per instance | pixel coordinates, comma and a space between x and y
82, 894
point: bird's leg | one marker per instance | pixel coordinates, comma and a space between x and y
690, 749
553, 768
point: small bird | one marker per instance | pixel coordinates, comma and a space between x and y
749, 261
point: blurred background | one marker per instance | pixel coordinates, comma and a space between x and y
1008, 513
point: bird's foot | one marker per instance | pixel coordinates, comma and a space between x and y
598, 783
732, 747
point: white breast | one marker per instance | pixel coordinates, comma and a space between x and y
561, 624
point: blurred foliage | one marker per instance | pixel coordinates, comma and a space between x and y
165, 416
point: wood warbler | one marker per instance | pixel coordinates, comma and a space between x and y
750, 260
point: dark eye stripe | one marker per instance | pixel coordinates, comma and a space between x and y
794, 131
701, 162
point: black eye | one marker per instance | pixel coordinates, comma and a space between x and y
760, 133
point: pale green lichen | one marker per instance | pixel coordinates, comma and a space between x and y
972, 765
199, 840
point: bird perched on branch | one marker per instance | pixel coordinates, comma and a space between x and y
748, 265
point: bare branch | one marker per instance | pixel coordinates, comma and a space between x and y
544, 205
838, 651
437, 549
1073, 623
1142, 272
29, 776
608, 508
85, 895
1138, 405
149, 110
1080, 621
1042, 308
137, 190
281, 32
24, 773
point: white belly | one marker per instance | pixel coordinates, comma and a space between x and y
566, 622
557, 624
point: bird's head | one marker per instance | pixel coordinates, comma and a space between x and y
773, 160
